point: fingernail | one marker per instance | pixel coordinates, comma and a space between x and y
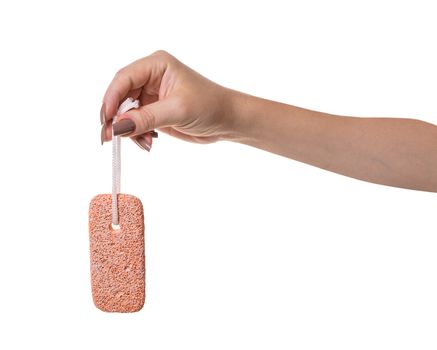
154, 134
142, 143
103, 133
124, 127
103, 114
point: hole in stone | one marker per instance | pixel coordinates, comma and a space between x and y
115, 227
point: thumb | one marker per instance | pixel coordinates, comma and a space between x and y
146, 118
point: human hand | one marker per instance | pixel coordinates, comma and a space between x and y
174, 99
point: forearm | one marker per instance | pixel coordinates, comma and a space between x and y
390, 151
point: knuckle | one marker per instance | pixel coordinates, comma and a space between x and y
161, 53
164, 56
147, 120
120, 74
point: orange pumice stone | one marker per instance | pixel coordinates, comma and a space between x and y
117, 254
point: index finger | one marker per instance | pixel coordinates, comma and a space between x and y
145, 73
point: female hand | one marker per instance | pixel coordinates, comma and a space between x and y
174, 99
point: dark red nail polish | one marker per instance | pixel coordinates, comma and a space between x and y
142, 143
124, 127
103, 114
103, 133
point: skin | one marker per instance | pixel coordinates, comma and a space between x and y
180, 102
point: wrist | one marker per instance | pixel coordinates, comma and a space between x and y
241, 117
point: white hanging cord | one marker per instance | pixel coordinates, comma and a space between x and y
128, 104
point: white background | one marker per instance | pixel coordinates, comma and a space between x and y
245, 249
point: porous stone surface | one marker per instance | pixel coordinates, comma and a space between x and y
117, 255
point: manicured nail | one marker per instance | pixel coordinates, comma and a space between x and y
154, 134
103, 133
103, 114
142, 143
124, 127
